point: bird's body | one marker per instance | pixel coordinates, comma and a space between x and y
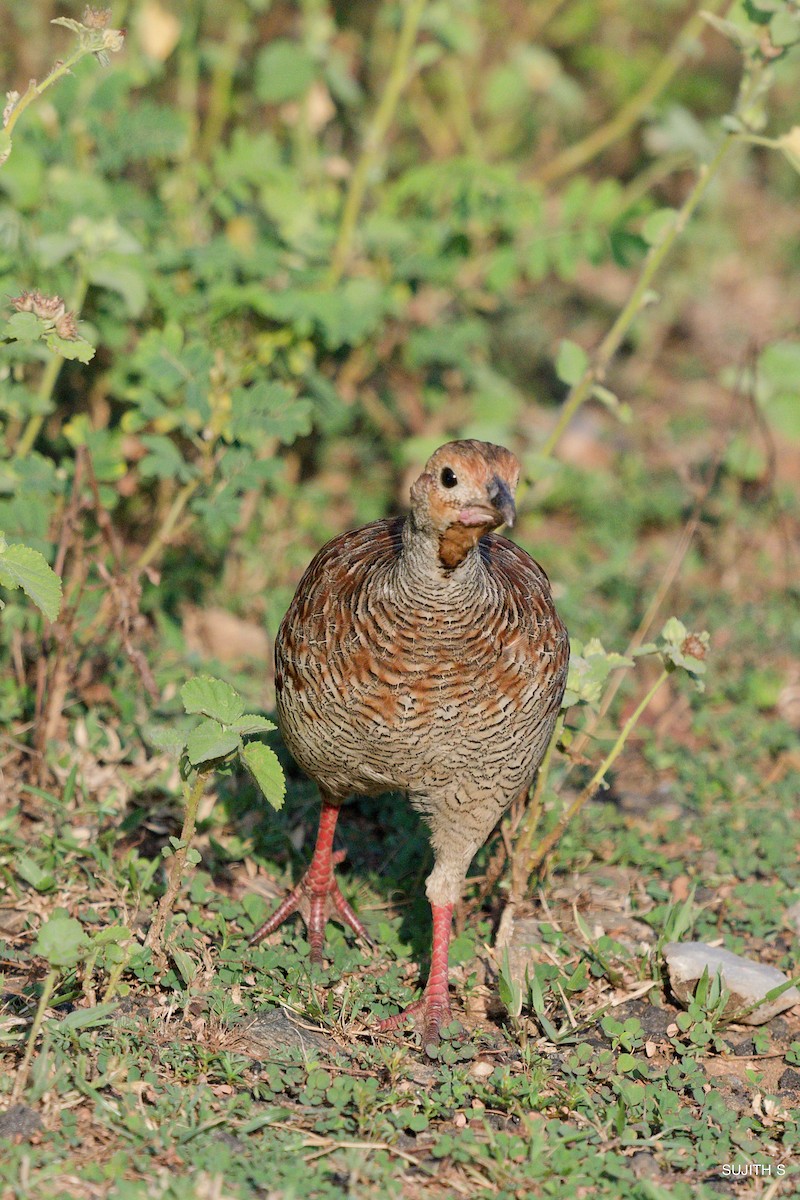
424, 655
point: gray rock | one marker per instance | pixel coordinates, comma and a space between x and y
747, 981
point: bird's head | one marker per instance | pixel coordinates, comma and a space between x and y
466, 490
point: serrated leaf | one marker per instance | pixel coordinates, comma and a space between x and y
209, 741
168, 737
213, 698
61, 941
71, 348
252, 723
571, 362
165, 460
23, 327
263, 765
20, 566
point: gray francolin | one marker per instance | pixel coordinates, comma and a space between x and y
421, 655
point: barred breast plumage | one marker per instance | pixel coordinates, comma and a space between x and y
422, 655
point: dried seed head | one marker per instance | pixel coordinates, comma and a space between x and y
24, 302
113, 40
49, 308
96, 18
695, 647
67, 327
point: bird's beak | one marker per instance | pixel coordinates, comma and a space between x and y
501, 500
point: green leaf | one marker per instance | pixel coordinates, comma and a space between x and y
33, 874
20, 566
745, 460
209, 741
675, 631
23, 327
77, 349
169, 737
89, 1018
213, 698
658, 225
123, 278
112, 935
263, 765
284, 71
268, 410
784, 28
252, 723
186, 965
510, 991
61, 941
571, 362
165, 460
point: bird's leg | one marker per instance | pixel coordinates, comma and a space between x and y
433, 1006
317, 894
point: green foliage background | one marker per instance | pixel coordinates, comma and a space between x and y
300, 260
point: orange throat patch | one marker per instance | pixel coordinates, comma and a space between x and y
457, 541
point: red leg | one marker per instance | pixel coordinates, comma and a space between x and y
434, 1004
317, 893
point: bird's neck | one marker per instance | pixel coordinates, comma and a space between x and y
440, 560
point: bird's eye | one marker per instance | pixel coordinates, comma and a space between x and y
448, 478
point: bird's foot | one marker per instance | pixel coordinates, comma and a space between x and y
316, 897
431, 1014
432, 1010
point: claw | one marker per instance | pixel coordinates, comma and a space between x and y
317, 895
433, 1005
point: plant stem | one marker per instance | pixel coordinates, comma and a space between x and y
22, 1074
35, 89
155, 936
596, 371
49, 377
605, 135
550, 839
162, 534
374, 137
519, 875
221, 87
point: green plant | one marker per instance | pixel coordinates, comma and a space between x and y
211, 740
22, 567
301, 245
590, 666
698, 1029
